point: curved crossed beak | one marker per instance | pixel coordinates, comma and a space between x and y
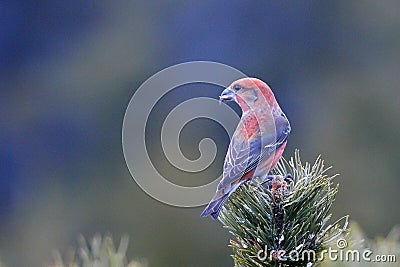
227, 95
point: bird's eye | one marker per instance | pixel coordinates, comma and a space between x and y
236, 87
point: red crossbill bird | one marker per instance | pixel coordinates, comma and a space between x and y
257, 143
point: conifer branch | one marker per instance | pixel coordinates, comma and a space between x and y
283, 216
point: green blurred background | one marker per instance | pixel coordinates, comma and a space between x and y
69, 68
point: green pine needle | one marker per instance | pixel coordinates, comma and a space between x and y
283, 215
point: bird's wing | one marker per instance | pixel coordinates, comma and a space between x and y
271, 142
244, 154
240, 153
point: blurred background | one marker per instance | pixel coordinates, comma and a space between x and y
69, 68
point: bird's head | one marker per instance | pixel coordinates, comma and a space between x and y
248, 92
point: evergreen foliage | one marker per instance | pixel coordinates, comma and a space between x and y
279, 222
99, 252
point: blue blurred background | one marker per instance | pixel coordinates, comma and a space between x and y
69, 68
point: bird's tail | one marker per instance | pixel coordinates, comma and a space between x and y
214, 207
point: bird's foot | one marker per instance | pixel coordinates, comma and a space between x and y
288, 178
267, 180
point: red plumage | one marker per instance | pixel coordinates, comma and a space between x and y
258, 142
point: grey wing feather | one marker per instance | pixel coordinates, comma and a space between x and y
244, 155
236, 161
